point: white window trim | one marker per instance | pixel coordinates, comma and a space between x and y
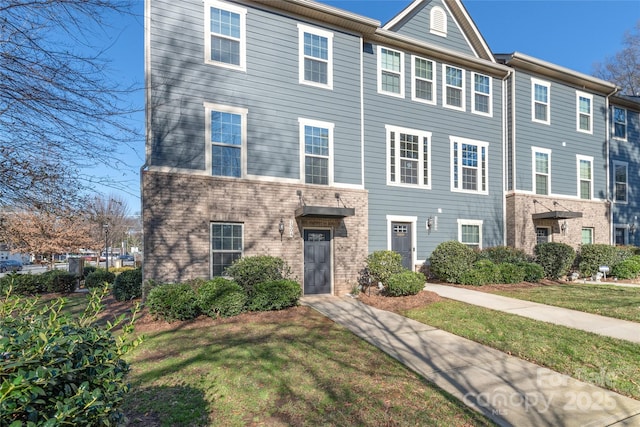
578, 113
535, 82
414, 232
477, 222
613, 179
207, 34
624, 227
380, 70
320, 124
546, 151
209, 107
589, 159
462, 89
414, 78
480, 144
489, 95
593, 235
322, 33
212, 251
442, 32
626, 124
421, 134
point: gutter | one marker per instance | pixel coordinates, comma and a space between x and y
607, 143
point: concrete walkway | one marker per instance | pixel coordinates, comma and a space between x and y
510, 391
602, 325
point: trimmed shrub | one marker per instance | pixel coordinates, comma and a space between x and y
274, 295
221, 297
381, 265
97, 278
58, 281
627, 269
249, 271
60, 370
533, 272
88, 269
488, 269
503, 254
405, 283
128, 285
450, 260
173, 301
510, 273
21, 284
555, 258
473, 277
592, 256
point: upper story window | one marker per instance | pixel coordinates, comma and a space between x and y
585, 177
481, 94
225, 38
469, 165
620, 178
541, 170
408, 157
390, 72
226, 134
316, 56
470, 232
438, 20
584, 111
316, 139
423, 76
619, 123
453, 94
540, 101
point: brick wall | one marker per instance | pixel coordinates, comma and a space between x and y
179, 208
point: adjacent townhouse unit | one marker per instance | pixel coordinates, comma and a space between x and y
296, 129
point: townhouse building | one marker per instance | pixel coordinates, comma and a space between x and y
296, 129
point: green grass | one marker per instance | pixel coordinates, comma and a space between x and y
607, 300
299, 370
603, 361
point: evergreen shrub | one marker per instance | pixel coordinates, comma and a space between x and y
450, 260
274, 295
221, 297
405, 283
173, 301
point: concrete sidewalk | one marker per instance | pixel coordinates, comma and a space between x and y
602, 325
510, 391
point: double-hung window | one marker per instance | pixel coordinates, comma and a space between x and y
540, 101
226, 246
584, 112
469, 165
470, 233
620, 178
408, 157
481, 94
390, 72
423, 76
316, 56
226, 135
225, 35
541, 170
587, 235
619, 123
585, 177
453, 93
316, 139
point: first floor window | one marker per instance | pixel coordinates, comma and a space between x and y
470, 233
620, 236
226, 246
317, 142
226, 129
587, 235
585, 177
469, 165
542, 234
620, 181
408, 153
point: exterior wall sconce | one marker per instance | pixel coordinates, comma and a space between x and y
632, 228
281, 228
429, 224
564, 227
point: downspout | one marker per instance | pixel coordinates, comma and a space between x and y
505, 103
607, 143
148, 132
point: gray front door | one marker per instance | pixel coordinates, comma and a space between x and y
401, 242
317, 262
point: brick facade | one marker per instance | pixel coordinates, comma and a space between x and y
179, 208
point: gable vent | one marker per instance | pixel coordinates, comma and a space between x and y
438, 21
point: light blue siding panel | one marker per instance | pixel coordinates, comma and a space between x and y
628, 151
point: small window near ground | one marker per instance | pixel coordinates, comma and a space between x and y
587, 235
470, 233
226, 246
542, 234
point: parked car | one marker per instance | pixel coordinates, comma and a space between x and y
126, 258
10, 265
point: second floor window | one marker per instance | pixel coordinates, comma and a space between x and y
585, 177
540, 101
469, 167
481, 94
620, 181
391, 72
453, 88
226, 132
619, 123
317, 144
224, 35
584, 110
316, 56
408, 157
541, 160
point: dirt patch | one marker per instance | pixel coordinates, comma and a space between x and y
399, 304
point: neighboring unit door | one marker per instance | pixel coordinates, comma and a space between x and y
401, 242
317, 262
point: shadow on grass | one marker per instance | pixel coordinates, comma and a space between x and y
183, 406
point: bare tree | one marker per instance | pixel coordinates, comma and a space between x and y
623, 69
111, 214
59, 110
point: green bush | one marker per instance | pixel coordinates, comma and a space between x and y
555, 258
249, 271
21, 284
473, 277
533, 272
504, 254
405, 283
274, 295
58, 281
88, 269
97, 278
511, 273
450, 260
58, 370
128, 285
173, 301
381, 265
592, 256
488, 269
627, 269
221, 297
